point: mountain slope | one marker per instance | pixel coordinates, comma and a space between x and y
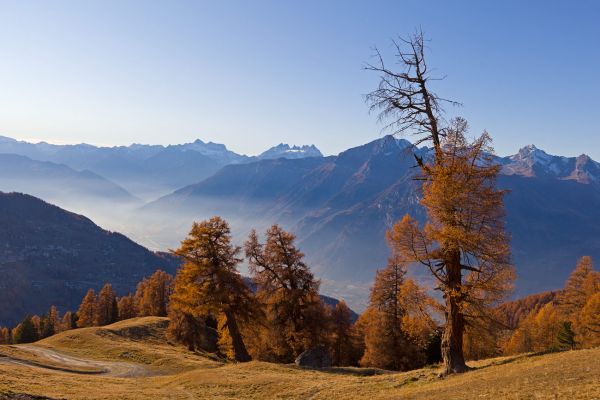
51, 256
58, 183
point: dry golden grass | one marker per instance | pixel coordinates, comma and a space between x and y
137, 340
567, 375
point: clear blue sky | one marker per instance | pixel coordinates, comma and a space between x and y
251, 74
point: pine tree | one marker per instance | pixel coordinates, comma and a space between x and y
87, 315
208, 283
152, 294
566, 336
127, 307
288, 292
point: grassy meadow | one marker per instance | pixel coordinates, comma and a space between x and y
172, 372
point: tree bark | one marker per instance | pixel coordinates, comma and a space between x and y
239, 348
452, 339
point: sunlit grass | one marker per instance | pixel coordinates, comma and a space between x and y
568, 375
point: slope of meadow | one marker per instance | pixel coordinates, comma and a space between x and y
167, 371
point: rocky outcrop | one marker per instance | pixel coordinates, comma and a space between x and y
315, 357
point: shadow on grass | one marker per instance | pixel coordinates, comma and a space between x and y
355, 371
515, 358
22, 396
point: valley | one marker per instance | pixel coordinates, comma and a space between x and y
339, 206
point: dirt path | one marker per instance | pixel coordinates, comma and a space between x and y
75, 365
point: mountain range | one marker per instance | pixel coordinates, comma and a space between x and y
339, 206
147, 171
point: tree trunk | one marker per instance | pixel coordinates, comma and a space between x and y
452, 339
239, 348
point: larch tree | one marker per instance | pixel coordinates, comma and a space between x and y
537, 332
581, 284
5, 336
50, 324
88, 310
107, 310
463, 244
69, 321
25, 332
344, 340
288, 291
152, 294
209, 284
127, 307
589, 322
195, 332
388, 342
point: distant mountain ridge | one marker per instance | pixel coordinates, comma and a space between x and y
147, 171
533, 162
52, 181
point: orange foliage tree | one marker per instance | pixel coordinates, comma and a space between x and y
589, 322
397, 322
107, 311
345, 340
88, 310
126, 306
463, 245
209, 284
289, 294
152, 294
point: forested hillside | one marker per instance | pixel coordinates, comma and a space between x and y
51, 256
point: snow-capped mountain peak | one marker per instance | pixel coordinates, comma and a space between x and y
284, 150
531, 161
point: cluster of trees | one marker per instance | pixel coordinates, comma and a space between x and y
213, 309
570, 320
34, 328
150, 299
